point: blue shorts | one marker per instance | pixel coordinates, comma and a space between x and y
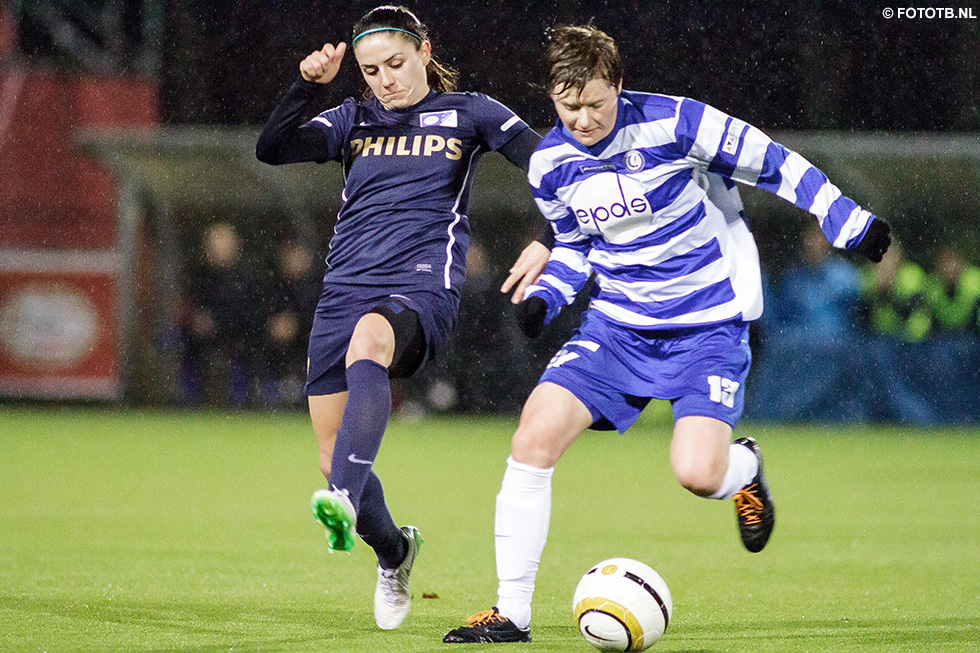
338, 311
615, 370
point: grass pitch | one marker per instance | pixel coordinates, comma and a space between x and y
192, 531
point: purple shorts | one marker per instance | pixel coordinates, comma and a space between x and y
615, 370
338, 311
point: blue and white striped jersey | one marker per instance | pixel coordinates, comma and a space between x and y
653, 210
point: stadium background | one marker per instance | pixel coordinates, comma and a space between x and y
129, 522
105, 223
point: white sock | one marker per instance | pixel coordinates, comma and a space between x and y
742, 468
520, 531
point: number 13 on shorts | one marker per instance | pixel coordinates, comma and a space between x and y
722, 390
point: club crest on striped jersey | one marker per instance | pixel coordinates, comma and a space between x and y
439, 119
633, 160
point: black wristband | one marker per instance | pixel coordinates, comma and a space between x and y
530, 316
547, 236
876, 240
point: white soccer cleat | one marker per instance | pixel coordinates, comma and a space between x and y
392, 598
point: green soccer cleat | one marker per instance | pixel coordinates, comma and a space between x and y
335, 512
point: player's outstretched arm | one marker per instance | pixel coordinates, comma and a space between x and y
526, 270
746, 155
533, 259
284, 139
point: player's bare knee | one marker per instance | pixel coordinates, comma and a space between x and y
532, 446
523, 445
373, 340
364, 345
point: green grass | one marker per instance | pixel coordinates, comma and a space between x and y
192, 531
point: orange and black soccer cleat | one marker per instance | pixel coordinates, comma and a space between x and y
487, 627
754, 509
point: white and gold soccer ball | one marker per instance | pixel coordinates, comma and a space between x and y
622, 605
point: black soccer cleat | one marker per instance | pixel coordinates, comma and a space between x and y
754, 509
488, 627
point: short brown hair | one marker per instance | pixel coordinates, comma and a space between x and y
577, 54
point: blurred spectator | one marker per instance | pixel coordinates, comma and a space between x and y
486, 360
895, 297
817, 298
286, 329
488, 353
956, 295
219, 323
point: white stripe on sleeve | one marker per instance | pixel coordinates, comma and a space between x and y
510, 123
856, 222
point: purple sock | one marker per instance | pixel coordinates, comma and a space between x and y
357, 444
361, 429
376, 527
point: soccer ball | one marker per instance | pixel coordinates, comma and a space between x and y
622, 605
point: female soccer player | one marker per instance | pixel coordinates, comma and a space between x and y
396, 261
639, 189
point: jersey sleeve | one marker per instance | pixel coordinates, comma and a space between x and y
738, 151
286, 139
335, 126
568, 267
496, 125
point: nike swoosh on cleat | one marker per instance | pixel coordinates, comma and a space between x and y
355, 459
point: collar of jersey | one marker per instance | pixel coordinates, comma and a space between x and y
597, 149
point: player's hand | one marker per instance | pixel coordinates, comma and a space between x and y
322, 66
529, 266
876, 240
530, 316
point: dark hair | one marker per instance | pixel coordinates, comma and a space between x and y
441, 78
576, 54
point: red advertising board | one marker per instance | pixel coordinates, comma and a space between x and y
59, 242
58, 324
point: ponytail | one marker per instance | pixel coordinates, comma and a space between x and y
441, 78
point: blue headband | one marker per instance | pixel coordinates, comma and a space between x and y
386, 29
